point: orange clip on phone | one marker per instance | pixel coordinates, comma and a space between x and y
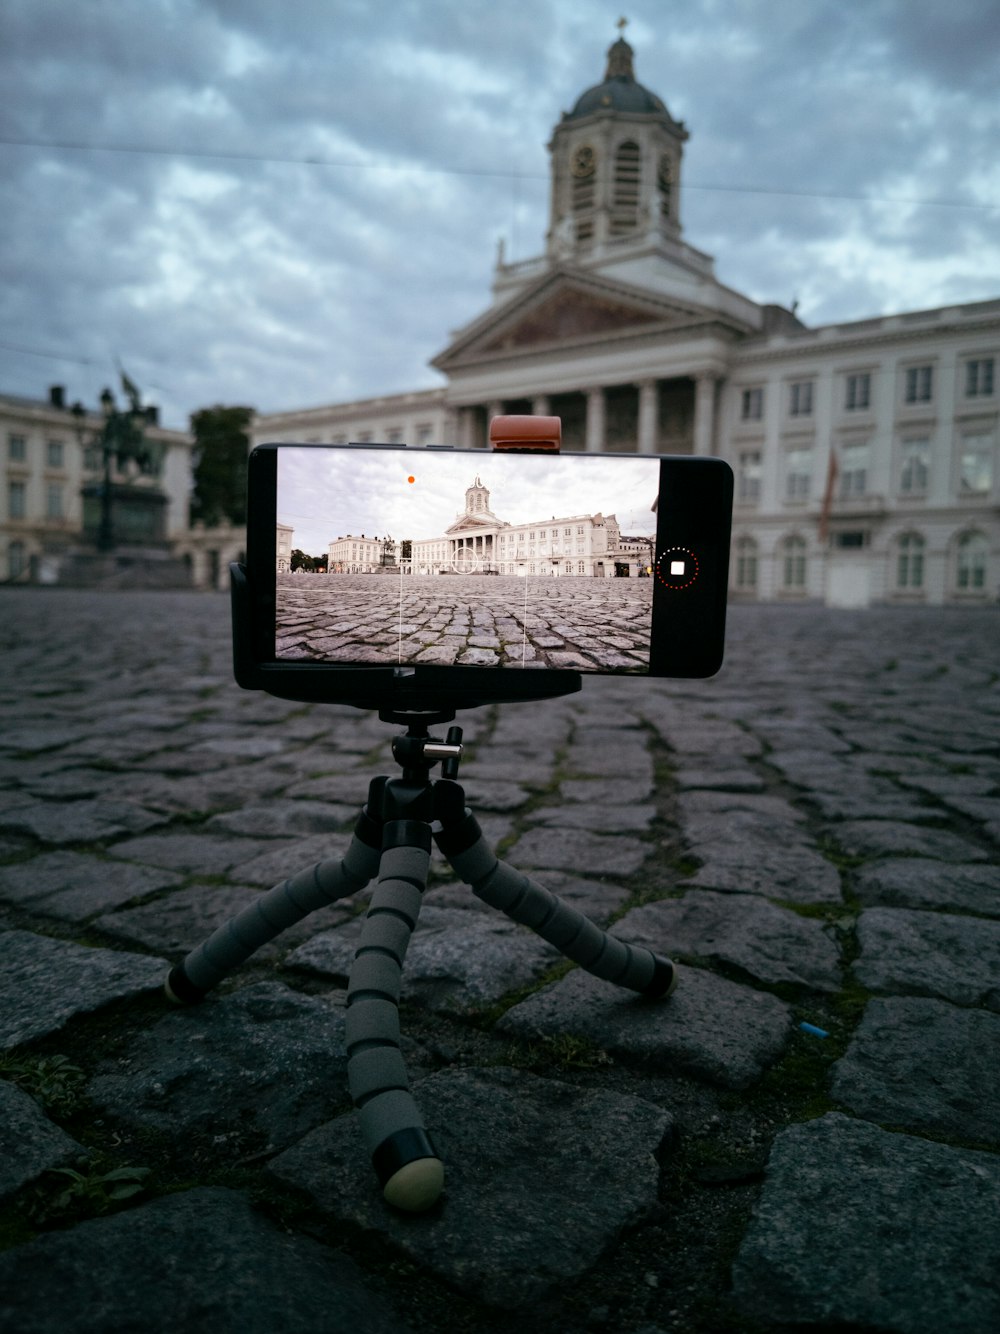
537, 434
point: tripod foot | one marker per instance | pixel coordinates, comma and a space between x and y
415, 1187
665, 979
180, 990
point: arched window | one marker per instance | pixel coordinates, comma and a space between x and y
746, 565
793, 552
910, 561
972, 556
625, 192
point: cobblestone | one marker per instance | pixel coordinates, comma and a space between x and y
467, 620
816, 832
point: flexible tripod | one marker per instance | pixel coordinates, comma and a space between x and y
392, 838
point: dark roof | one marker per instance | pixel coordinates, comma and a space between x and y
620, 91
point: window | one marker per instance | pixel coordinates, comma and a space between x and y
910, 562
914, 473
54, 454
17, 448
746, 564
919, 384
425, 433
394, 435
976, 465
800, 401
850, 540
16, 494
979, 378
798, 474
16, 560
858, 391
54, 500
794, 561
625, 202
853, 470
752, 405
748, 483
970, 574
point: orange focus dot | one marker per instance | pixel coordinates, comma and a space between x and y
411, 479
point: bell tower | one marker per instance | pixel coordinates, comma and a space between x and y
477, 499
615, 168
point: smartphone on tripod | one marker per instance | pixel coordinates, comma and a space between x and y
391, 575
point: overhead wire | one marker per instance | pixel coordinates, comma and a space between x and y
353, 164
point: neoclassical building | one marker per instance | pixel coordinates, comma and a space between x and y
51, 482
480, 542
865, 453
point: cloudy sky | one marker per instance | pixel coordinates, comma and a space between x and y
284, 203
329, 493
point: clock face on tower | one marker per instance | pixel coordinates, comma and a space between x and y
584, 161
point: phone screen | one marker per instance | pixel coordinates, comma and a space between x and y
451, 558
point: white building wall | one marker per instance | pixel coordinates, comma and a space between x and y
39, 531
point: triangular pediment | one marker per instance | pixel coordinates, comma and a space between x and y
566, 307
473, 523
567, 313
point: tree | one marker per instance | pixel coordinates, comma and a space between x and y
221, 446
312, 564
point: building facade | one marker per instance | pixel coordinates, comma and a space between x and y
51, 482
355, 554
480, 542
865, 453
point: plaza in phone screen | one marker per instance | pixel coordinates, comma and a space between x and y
459, 559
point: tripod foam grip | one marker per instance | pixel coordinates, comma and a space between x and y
266, 917
574, 935
403, 1156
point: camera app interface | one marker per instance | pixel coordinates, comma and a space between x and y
469, 559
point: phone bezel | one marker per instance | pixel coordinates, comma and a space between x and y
687, 632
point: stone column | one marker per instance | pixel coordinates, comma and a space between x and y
649, 416
595, 420
540, 406
451, 430
704, 414
494, 409
466, 428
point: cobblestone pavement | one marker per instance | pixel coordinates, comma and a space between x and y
581, 624
803, 1137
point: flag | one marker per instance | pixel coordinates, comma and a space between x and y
832, 473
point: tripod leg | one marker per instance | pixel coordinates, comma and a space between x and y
576, 936
404, 1159
270, 914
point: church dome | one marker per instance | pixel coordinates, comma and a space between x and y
619, 91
